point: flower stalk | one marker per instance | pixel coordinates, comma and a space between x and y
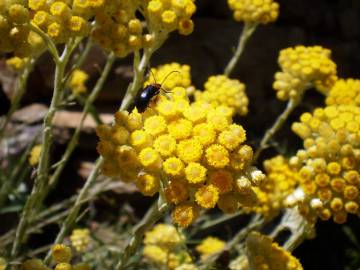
152, 216
47, 139
75, 137
246, 33
280, 121
75, 209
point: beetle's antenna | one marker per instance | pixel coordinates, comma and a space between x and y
152, 74
169, 75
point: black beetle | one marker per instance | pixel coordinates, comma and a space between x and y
143, 99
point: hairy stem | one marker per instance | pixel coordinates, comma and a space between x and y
75, 209
247, 31
151, 217
47, 139
19, 93
297, 225
280, 121
75, 137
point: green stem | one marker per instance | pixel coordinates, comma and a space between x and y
92, 110
280, 121
151, 217
49, 42
19, 93
220, 220
79, 61
74, 211
47, 139
247, 31
75, 137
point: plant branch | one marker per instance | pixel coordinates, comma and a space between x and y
247, 31
75, 137
74, 211
280, 121
152, 216
47, 139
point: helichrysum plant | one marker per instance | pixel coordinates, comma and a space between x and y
193, 153
186, 144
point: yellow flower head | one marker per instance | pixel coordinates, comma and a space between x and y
16, 36
163, 235
17, 63
329, 163
168, 16
34, 264
220, 90
80, 239
148, 184
177, 191
63, 266
346, 92
207, 196
63, 20
263, 253
185, 214
254, 11
77, 82
209, 246
197, 158
35, 155
304, 67
163, 246
61, 253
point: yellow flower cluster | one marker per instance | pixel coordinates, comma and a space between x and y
209, 246
35, 155
163, 247
281, 181
15, 33
329, 163
17, 63
80, 239
62, 20
118, 29
195, 150
77, 82
345, 92
170, 76
254, 11
167, 16
301, 68
263, 253
61, 255
220, 90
